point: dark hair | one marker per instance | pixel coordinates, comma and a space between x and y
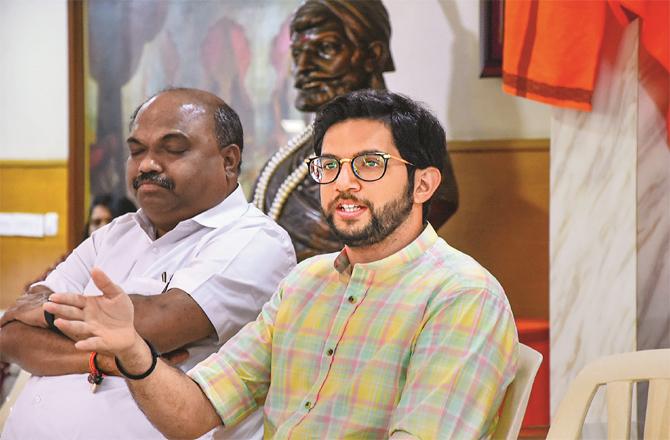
117, 206
417, 134
227, 126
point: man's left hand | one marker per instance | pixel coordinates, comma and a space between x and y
98, 323
28, 309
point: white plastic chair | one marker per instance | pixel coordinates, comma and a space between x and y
518, 392
618, 373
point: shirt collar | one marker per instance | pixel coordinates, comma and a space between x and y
405, 255
230, 209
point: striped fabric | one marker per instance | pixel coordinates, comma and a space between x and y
422, 341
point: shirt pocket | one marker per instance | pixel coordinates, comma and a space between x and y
144, 286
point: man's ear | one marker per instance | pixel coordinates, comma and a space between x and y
426, 182
231, 156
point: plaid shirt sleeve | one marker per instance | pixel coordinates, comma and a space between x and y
237, 378
463, 360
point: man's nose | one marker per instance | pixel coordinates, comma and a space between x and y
347, 180
150, 164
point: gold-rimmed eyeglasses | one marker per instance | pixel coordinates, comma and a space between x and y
366, 166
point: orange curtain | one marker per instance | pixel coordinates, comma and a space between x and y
551, 48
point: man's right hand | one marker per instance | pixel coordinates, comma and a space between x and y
98, 323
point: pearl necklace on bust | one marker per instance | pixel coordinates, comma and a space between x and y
290, 182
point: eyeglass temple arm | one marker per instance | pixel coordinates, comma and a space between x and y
390, 156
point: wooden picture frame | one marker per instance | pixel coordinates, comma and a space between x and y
491, 13
76, 162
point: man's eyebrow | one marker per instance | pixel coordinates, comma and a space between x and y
134, 140
177, 135
370, 152
358, 153
328, 155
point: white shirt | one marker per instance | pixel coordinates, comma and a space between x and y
229, 258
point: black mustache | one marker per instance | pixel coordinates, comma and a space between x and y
154, 178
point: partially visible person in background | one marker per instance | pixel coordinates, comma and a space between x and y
104, 209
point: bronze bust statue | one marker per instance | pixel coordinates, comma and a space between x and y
337, 46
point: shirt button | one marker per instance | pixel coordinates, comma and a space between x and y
351, 299
154, 250
330, 352
308, 404
37, 400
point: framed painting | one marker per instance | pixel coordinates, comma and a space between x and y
491, 13
132, 49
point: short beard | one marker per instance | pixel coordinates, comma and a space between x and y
382, 223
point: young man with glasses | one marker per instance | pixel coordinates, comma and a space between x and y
397, 335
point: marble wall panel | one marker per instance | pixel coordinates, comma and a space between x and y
653, 209
593, 231
653, 214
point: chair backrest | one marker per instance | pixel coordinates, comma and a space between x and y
516, 397
17, 387
618, 373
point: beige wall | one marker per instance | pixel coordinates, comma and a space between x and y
435, 46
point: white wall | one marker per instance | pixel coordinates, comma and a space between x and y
435, 46
33, 80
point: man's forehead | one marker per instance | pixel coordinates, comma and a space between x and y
355, 136
170, 110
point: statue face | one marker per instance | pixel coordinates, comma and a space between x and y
326, 63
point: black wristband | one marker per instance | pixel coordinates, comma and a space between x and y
95, 364
154, 362
50, 318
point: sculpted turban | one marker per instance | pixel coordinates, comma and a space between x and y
364, 21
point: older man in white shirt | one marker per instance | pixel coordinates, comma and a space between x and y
199, 259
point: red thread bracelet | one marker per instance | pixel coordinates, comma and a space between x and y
95, 376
